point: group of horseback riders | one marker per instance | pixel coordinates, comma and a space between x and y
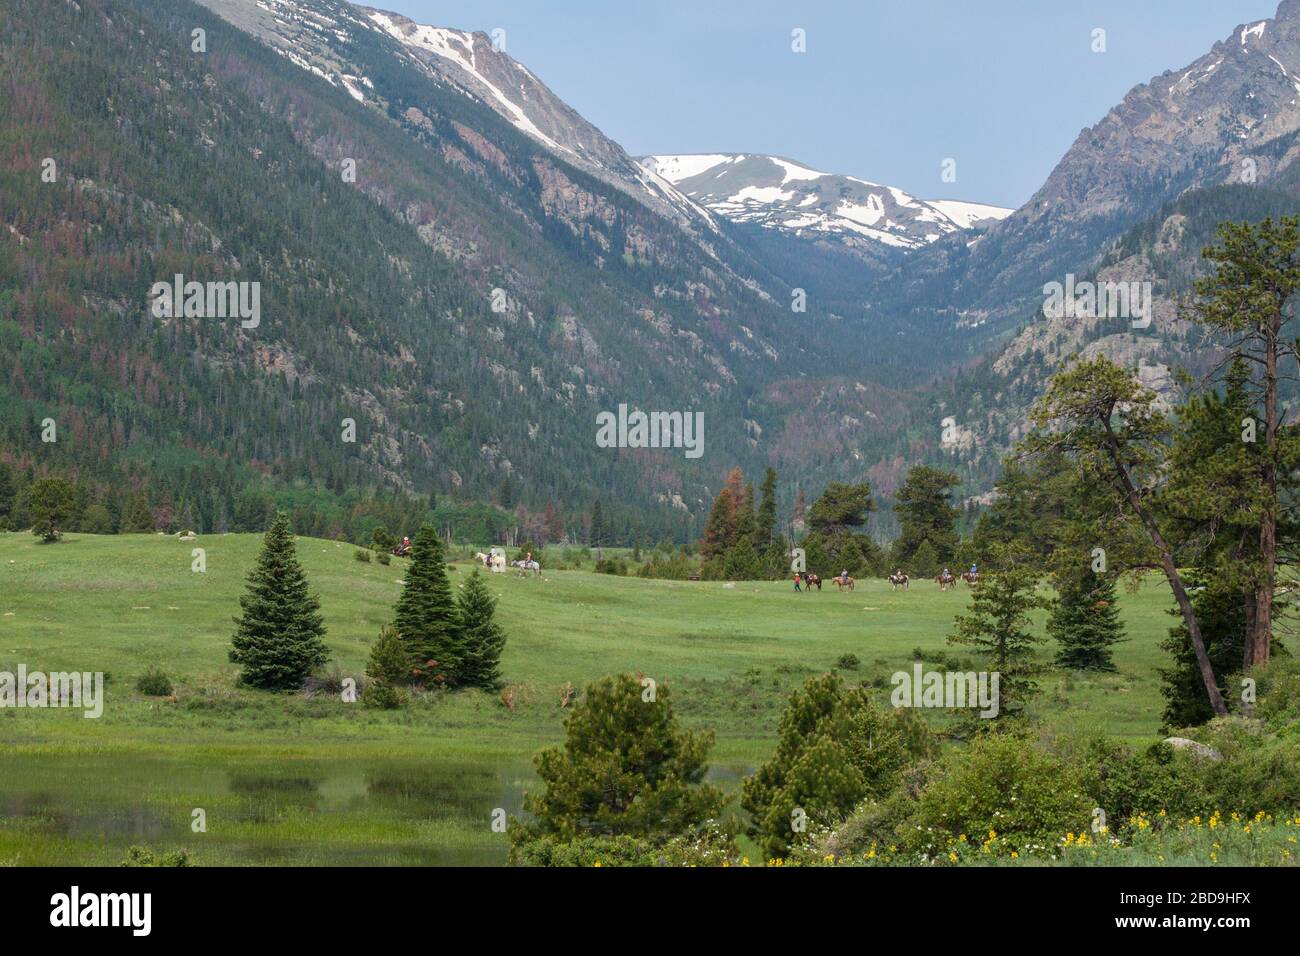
805, 580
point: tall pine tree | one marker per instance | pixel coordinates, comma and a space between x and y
1085, 622
482, 639
1000, 627
426, 614
279, 639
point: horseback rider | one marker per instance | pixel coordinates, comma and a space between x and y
973, 571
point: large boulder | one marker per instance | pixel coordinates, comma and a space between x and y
1194, 747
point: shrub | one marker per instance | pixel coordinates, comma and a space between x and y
381, 695
1001, 783
835, 748
848, 662
143, 856
1123, 782
388, 660
154, 683
626, 768
705, 845
611, 566
328, 683
361, 554
383, 557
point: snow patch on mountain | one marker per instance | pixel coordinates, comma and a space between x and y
778, 193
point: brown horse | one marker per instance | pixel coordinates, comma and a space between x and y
845, 582
945, 581
970, 577
811, 579
899, 580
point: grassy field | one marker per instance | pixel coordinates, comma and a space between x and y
290, 779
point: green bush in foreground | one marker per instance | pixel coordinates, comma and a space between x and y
835, 748
706, 845
626, 768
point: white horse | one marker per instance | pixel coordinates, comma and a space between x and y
498, 563
482, 559
526, 566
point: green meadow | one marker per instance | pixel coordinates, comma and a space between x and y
292, 779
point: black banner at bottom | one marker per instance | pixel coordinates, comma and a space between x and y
331, 905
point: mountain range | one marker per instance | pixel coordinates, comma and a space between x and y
456, 261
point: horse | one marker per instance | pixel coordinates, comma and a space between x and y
811, 579
845, 582
970, 577
526, 566
945, 580
483, 559
899, 580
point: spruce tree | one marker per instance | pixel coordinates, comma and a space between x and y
926, 514
138, 519
999, 626
387, 669
426, 612
745, 523
1085, 622
719, 528
741, 563
279, 639
482, 639
765, 530
924, 562
388, 658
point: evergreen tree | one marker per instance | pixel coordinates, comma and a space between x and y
388, 661
1221, 607
1085, 621
8, 494
745, 519
925, 514
719, 529
834, 748
1101, 417
741, 562
482, 639
765, 522
138, 517
626, 767
923, 563
51, 502
599, 537
1250, 298
998, 625
833, 543
279, 638
426, 613
387, 669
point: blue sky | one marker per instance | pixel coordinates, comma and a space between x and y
886, 90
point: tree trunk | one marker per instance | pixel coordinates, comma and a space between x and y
1171, 574
1260, 640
